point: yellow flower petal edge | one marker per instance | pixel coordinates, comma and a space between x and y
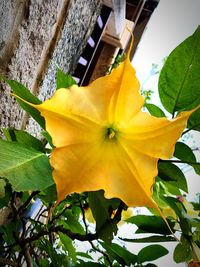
104, 141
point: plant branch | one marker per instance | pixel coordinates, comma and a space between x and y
60, 228
4, 262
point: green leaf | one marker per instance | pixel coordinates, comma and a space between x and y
23, 138
154, 110
89, 264
172, 174
83, 255
26, 169
169, 188
120, 254
182, 251
21, 91
176, 205
151, 224
151, 253
194, 121
68, 246
2, 188
7, 197
150, 239
102, 209
49, 194
179, 81
64, 80
57, 259
48, 137
185, 153
72, 222
151, 265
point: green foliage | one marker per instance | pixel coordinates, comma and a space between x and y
154, 110
24, 167
102, 210
172, 174
68, 246
151, 253
21, 91
150, 224
120, 254
194, 121
185, 153
179, 81
23, 138
2, 188
63, 80
182, 251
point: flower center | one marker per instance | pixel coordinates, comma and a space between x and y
110, 134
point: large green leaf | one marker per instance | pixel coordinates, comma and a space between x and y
179, 81
120, 254
151, 224
68, 246
172, 174
185, 153
23, 138
151, 253
21, 91
26, 169
64, 80
182, 251
102, 209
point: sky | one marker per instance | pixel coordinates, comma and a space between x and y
171, 23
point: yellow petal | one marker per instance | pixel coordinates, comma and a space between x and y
153, 136
86, 167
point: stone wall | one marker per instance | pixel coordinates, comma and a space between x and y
34, 29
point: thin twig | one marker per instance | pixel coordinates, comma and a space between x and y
102, 252
27, 202
83, 215
190, 129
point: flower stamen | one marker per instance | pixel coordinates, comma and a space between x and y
111, 133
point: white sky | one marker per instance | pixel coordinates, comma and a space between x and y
171, 23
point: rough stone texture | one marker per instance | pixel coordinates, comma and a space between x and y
33, 34
78, 27
11, 15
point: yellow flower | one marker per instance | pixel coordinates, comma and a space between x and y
104, 141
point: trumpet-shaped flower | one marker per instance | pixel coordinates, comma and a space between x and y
103, 140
